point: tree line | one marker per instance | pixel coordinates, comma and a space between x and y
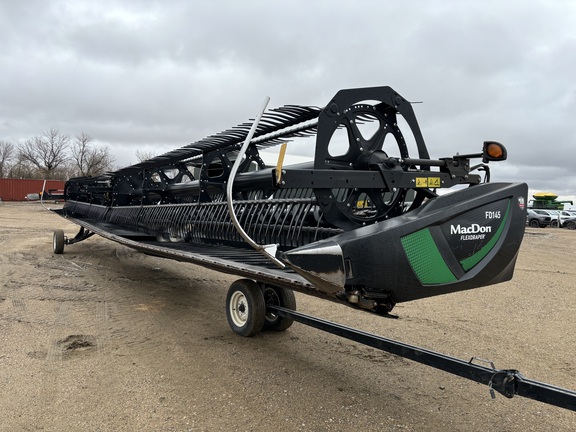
54, 155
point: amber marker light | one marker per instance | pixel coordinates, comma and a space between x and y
493, 151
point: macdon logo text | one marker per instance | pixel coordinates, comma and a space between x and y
472, 229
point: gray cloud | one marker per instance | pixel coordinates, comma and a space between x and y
157, 75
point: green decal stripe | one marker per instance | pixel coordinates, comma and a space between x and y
425, 258
471, 261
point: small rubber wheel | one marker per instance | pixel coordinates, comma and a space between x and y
279, 297
58, 241
245, 308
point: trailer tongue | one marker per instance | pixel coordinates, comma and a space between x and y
508, 382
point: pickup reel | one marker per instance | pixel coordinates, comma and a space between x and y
362, 136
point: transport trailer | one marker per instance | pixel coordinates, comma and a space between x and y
363, 224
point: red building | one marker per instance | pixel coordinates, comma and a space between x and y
18, 189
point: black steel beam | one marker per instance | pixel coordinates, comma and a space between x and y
508, 382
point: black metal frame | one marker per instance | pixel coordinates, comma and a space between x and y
508, 382
82, 235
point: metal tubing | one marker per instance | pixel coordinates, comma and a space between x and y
229, 187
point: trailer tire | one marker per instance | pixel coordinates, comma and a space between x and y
58, 241
571, 225
279, 297
245, 308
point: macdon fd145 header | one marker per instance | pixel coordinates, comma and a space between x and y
361, 224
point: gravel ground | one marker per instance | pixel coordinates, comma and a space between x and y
103, 338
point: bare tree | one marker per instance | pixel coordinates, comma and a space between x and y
143, 155
46, 152
90, 160
7, 152
21, 168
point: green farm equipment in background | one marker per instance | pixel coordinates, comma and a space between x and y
547, 201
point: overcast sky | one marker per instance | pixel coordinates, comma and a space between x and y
156, 75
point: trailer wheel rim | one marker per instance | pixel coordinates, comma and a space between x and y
239, 310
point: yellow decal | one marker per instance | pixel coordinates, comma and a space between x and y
433, 182
280, 162
421, 182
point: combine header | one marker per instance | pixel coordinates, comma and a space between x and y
362, 224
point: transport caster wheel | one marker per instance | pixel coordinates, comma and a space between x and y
279, 297
245, 308
58, 241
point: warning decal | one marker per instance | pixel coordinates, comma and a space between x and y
424, 182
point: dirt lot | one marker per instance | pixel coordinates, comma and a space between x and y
103, 338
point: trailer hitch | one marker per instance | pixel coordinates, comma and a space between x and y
504, 382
